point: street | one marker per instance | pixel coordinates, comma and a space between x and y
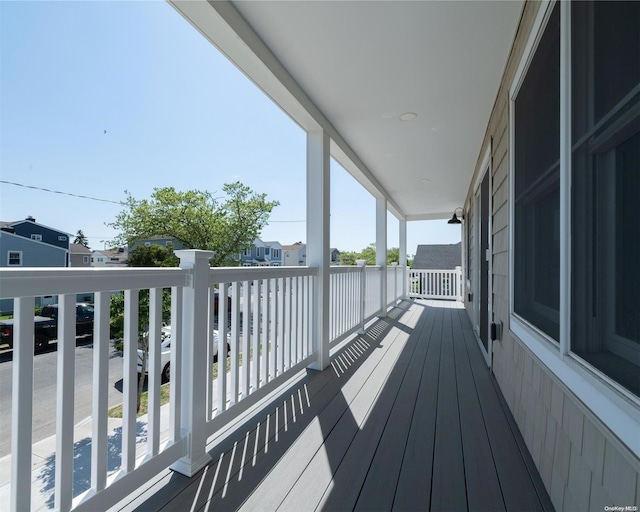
44, 385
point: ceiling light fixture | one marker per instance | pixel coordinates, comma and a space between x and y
408, 116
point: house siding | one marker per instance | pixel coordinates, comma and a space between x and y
34, 254
582, 463
50, 236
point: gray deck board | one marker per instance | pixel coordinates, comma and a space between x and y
408, 417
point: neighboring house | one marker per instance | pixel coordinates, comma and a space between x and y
80, 255
334, 256
438, 257
38, 254
273, 254
254, 256
18, 251
110, 258
29, 228
165, 241
294, 255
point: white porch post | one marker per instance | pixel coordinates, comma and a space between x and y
318, 209
381, 250
402, 226
194, 360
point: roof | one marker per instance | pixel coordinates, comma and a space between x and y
441, 256
22, 221
79, 249
293, 247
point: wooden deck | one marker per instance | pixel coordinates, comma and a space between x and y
408, 417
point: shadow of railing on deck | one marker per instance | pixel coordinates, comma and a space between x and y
241, 462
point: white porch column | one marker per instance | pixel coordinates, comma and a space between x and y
194, 360
402, 226
381, 250
318, 209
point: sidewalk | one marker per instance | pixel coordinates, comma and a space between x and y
43, 460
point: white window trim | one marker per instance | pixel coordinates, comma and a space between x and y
36, 236
9, 264
612, 404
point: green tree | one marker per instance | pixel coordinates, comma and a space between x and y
81, 239
153, 256
369, 255
197, 219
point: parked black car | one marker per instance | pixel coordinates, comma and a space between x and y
84, 317
45, 326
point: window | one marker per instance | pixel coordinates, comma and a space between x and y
147, 244
14, 258
247, 252
605, 97
275, 253
537, 186
62, 239
85, 259
258, 252
267, 250
36, 237
604, 167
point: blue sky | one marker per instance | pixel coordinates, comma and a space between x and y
176, 113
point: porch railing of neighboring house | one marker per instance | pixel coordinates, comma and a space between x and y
436, 284
267, 323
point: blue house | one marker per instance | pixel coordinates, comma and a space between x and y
28, 244
29, 228
262, 254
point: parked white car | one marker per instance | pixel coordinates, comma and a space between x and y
165, 353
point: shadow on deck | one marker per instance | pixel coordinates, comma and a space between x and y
407, 417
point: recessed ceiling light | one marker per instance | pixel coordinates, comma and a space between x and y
425, 180
408, 116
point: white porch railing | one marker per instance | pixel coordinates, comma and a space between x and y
264, 315
436, 284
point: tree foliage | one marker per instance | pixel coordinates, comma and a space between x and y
81, 239
368, 254
153, 256
196, 219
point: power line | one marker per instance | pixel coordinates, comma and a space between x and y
94, 198
59, 192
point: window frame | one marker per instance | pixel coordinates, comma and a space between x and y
36, 236
601, 395
9, 264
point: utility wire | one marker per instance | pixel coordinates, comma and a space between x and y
59, 192
94, 198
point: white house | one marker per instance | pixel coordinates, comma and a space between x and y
294, 255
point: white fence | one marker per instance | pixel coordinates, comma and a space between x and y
264, 316
436, 284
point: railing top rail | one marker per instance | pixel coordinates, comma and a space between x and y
228, 274
427, 270
29, 282
344, 269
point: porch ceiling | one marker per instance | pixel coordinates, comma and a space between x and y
356, 66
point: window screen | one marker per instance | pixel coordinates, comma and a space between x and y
536, 182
